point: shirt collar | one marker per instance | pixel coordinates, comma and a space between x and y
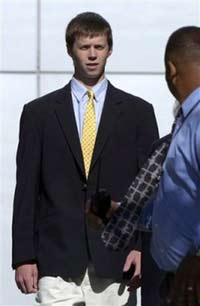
190, 102
79, 90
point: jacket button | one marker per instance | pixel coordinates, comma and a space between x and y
84, 187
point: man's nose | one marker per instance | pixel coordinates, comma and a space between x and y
92, 53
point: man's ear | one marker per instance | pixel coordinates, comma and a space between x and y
172, 70
110, 52
69, 51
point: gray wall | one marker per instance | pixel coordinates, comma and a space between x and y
33, 61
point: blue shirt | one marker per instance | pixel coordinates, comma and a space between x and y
80, 98
176, 205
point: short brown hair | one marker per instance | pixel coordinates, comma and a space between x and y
87, 24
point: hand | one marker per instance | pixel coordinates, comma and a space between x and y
94, 220
185, 289
26, 277
134, 258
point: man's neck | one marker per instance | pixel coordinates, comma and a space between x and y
89, 83
190, 81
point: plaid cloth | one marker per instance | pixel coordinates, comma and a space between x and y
119, 231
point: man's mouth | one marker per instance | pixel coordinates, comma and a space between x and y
92, 65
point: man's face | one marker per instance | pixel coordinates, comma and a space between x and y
89, 55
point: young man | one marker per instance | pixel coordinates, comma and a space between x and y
85, 136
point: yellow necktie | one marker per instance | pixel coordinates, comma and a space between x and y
89, 132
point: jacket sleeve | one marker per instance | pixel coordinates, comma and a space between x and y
27, 191
147, 134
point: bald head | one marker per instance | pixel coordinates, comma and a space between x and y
183, 46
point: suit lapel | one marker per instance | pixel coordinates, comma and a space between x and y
110, 113
66, 118
65, 114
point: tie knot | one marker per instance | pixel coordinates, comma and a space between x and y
90, 94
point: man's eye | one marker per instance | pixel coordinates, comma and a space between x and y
83, 47
99, 47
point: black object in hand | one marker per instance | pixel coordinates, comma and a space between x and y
128, 274
100, 204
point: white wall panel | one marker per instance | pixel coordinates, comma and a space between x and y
153, 89
140, 29
15, 91
51, 82
18, 34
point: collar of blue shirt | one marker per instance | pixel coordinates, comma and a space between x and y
190, 102
79, 90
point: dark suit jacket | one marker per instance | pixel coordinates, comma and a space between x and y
49, 223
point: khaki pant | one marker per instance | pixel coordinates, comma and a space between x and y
88, 290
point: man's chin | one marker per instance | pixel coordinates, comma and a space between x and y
95, 76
